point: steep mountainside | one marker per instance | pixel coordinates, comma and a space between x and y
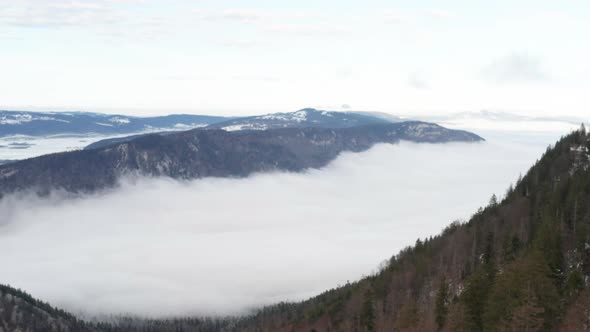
54, 123
307, 117
519, 264
21, 312
201, 153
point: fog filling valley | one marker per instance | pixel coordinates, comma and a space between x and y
159, 247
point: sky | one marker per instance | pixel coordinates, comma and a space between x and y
159, 247
146, 57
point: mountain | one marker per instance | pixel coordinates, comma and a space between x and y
521, 263
19, 311
56, 123
307, 117
59, 123
209, 152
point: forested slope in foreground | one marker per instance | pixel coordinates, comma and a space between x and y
519, 264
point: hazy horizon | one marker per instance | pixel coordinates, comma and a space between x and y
146, 112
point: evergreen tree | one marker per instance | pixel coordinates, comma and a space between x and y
367, 318
442, 302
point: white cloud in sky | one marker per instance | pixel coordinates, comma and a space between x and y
236, 14
439, 13
118, 48
417, 81
59, 13
516, 68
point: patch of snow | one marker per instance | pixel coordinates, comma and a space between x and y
119, 120
104, 124
48, 118
300, 116
277, 116
579, 148
19, 118
15, 119
419, 129
245, 126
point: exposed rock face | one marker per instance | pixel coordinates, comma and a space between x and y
202, 153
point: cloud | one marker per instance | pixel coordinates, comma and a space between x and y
291, 22
60, 13
250, 15
439, 13
309, 29
110, 18
417, 82
216, 246
235, 14
396, 16
238, 43
516, 68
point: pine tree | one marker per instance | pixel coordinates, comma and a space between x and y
529, 316
493, 201
367, 317
442, 302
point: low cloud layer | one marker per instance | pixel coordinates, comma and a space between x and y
218, 246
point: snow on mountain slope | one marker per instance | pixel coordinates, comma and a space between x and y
59, 123
307, 117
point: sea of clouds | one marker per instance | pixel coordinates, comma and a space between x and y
159, 247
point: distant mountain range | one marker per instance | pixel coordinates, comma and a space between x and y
307, 117
59, 123
81, 123
211, 152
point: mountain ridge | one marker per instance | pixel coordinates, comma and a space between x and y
307, 117
30, 123
210, 152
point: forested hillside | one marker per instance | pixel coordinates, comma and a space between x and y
519, 264
19, 311
203, 153
522, 263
